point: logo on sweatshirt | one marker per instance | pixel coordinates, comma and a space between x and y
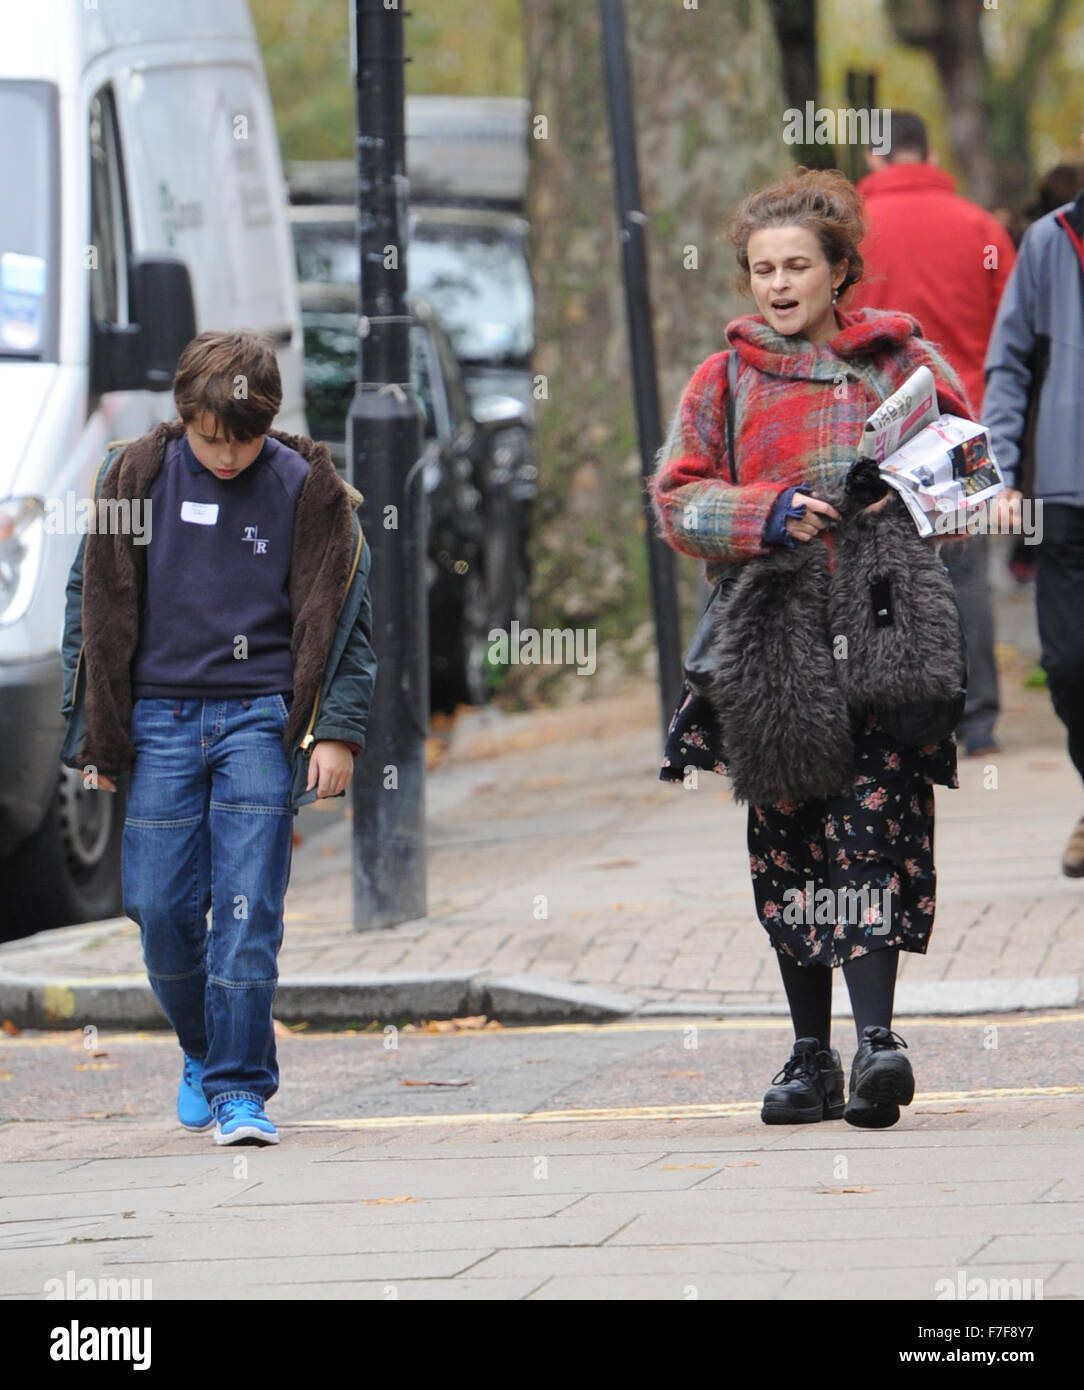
258, 542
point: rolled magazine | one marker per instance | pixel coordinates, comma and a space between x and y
942, 466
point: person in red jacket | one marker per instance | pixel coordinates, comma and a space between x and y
934, 255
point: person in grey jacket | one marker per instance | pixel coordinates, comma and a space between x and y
1035, 364
222, 657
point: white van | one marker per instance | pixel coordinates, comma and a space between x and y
143, 202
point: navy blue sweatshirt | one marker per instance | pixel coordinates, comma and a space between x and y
216, 618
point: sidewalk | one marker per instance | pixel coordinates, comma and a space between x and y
567, 882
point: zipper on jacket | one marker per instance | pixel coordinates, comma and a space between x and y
309, 740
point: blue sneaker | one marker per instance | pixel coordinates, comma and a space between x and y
192, 1109
243, 1122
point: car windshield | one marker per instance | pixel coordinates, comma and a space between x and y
477, 280
475, 277
28, 220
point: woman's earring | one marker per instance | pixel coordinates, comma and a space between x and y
835, 294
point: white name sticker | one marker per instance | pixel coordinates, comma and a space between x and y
202, 513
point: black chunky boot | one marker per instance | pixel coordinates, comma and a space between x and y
809, 1087
881, 1072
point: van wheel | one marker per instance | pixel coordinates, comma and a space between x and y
69, 869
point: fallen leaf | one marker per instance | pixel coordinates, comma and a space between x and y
385, 1201
749, 1163
101, 1054
128, 1215
469, 1082
8, 1027
456, 1025
825, 1191
5, 1076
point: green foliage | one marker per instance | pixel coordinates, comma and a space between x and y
456, 48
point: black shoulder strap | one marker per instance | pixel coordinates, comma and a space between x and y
731, 392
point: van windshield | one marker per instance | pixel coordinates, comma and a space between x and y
28, 220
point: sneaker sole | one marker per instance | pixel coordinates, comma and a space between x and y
199, 1129
1072, 870
246, 1134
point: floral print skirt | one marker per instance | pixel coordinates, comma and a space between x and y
837, 878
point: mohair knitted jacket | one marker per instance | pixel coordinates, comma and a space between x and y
799, 417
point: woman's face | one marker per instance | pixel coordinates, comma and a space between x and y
792, 282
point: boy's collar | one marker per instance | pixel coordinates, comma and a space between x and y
196, 468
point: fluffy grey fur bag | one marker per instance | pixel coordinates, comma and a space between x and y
804, 652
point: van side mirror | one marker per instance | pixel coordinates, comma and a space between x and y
142, 355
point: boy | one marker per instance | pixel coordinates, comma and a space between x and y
227, 664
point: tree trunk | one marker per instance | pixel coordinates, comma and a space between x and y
709, 120
795, 24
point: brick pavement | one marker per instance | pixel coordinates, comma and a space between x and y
554, 850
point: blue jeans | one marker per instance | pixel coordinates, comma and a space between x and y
209, 827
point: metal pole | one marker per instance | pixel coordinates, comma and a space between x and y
631, 220
384, 441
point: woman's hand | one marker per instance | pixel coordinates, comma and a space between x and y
817, 517
105, 784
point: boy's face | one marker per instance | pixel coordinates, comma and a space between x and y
223, 457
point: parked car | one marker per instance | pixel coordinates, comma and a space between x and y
471, 264
133, 112
479, 478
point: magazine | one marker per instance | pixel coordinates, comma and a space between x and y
942, 466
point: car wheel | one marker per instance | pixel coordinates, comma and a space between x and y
69, 869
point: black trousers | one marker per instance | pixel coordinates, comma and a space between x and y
1059, 597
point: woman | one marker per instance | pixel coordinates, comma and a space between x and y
809, 375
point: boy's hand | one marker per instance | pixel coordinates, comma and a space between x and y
331, 768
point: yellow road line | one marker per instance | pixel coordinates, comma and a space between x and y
661, 1112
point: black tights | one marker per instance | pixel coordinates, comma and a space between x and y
871, 983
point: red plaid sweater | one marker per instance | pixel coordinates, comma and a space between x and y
799, 417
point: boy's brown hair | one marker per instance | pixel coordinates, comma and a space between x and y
232, 376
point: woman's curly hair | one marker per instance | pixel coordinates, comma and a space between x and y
822, 200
